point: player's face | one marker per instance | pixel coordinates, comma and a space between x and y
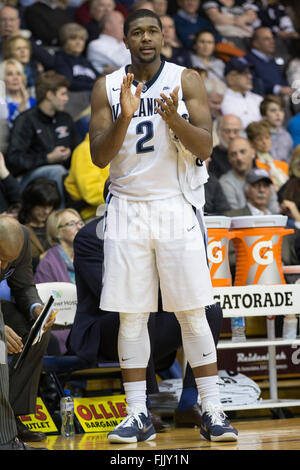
144, 39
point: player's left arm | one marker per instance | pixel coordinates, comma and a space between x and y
195, 134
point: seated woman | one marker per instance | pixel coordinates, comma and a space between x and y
57, 264
259, 135
40, 197
18, 98
71, 62
19, 48
203, 56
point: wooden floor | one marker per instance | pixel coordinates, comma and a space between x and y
269, 434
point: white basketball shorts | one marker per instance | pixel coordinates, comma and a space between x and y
150, 244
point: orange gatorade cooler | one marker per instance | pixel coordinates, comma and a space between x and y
217, 250
257, 242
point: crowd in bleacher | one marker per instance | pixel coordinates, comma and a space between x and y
51, 53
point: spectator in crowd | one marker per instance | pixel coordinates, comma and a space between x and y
10, 193
228, 128
45, 18
39, 199
172, 50
272, 14
70, 61
267, 74
241, 156
188, 22
19, 48
233, 18
85, 181
215, 90
259, 135
18, 98
257, 193
19, 316
289, 193
57, 264
294, 129
239, 99
10, 24
95, 11
272, 110
109, 51
145, 4
203, 55
92, 11
43, 137
160, 7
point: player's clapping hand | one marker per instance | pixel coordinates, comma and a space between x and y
129, 102
167, 106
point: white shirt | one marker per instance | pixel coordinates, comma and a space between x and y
255, 211
107, 50
246, 107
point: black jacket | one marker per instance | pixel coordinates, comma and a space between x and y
34, 135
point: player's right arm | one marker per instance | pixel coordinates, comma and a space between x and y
106, 135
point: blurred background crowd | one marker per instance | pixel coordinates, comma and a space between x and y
53, 51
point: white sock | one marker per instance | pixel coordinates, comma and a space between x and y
136, 395
208, 390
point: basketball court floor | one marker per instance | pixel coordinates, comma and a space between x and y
260, 434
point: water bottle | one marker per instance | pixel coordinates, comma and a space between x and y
290, 324
238, 328
67, 415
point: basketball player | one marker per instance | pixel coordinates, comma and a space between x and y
152, 236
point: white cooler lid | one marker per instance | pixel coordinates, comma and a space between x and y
217, 221
252, 221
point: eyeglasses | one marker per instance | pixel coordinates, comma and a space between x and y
72, 223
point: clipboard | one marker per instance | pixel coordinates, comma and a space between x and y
34, 332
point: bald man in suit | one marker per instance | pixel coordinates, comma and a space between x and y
18, 388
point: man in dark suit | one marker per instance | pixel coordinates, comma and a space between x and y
16, 320
94, 334
267, 74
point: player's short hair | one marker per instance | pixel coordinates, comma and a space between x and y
141, 13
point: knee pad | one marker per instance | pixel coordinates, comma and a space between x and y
133, 340
194, 321
198, 342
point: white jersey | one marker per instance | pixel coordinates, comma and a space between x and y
146, 165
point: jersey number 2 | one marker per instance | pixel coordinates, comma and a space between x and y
145, 128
